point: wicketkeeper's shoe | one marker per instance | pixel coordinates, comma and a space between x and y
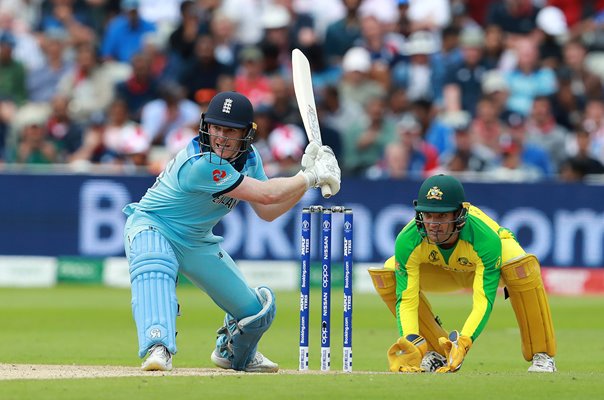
259, 364
158, 359
432, 361
542, 363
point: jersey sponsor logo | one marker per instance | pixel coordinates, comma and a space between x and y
434, 193
218, 174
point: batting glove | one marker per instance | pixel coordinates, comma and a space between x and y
406, 354
321, 168
455, 347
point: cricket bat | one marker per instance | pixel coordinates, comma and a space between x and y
306, 102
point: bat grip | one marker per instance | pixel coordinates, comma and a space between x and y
326, 191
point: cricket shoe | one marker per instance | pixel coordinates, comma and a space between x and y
542, 363
432, 361
158, 359
258, 364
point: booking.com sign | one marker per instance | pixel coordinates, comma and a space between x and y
558, 231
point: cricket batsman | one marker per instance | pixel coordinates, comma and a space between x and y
452, 245
170, 230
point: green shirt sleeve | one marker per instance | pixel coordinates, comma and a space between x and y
407, 279
487, 246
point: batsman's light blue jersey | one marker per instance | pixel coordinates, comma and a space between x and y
191, 196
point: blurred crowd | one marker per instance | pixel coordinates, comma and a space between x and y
508, 90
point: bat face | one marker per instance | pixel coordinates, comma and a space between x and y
306, 102
314, 132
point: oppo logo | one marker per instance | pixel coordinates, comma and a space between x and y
325, 276
324, 334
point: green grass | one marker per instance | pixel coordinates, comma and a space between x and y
90, 325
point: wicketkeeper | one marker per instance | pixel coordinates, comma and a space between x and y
452, 245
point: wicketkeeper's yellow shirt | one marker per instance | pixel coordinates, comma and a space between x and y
478, 251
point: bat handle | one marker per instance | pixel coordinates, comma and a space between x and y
326, 191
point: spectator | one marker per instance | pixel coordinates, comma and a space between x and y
463, 81
528, 80
68, 15
339, 113
450, 52
113, 140
265, 123
467, 155
323, 74
434, 130
364, 144
124, 34
342, 34
399, 105
91, 150
408, 155
162, 66
582, 83
244, 14
12, 73
33, 145
531, 153
3, 138
383, 45
64, 132
357, 84
551, 33
403, 25
277, 36
182, 39
581, 163
250, 79
432, 15
203, 70
123, 140
486, 128
301, 27
286, 144
164, 14
495, 88
511, 167
515, 17
543, 131
139, 88
166, 115
26, 49
222, 29
42, 82
593, 123
284, 108
89, 85
494, 46
417, 75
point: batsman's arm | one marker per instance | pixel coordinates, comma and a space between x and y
272, 198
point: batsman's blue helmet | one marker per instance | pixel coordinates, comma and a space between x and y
232, 110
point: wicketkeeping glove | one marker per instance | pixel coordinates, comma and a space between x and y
455, 347
406, 354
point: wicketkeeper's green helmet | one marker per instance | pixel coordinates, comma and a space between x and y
440, 193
